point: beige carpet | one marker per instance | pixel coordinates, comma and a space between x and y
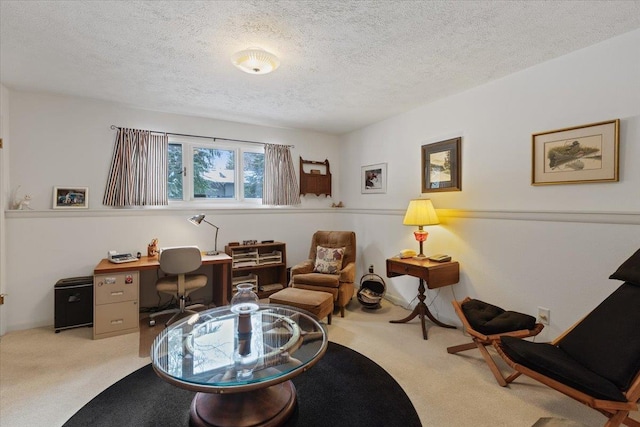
46, 377
556, 422
149, 333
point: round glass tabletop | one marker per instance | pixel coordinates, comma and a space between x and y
220, 351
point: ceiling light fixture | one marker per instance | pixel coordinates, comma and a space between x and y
255, 61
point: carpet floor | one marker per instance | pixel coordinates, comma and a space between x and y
344, 388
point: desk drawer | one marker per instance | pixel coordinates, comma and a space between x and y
116, 317
434, 274
117, 287
408, 269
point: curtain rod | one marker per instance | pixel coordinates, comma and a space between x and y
214, 138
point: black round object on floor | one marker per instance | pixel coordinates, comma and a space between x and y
344, 388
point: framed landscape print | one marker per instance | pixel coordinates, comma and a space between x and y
70, 197
575, 155
441, 166
374, 178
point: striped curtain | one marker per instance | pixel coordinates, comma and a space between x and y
138, 175
280, 184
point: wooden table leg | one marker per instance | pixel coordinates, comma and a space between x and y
422, 310
266, 407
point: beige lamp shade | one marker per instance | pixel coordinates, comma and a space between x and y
420, 212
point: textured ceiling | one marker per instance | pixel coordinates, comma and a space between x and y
344, 64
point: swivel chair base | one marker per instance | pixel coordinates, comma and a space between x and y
178, 312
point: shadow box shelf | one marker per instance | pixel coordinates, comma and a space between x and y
315, 181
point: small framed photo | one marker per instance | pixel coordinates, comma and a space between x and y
441, 166
576, 155
70, 197
374, 178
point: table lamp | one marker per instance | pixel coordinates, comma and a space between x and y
420, 212
196, 220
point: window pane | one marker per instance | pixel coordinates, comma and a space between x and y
253, 175
174, 179
213, 173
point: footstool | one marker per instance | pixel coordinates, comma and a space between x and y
316, 302
486, 323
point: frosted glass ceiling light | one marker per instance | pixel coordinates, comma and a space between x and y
255, 61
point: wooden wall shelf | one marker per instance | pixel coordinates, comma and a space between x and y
316, 181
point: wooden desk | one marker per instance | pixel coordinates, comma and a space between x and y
222, 260
116, 292
435, 274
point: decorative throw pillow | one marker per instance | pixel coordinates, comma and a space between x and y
328, 260
629, 271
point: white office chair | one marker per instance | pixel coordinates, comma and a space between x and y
177, 262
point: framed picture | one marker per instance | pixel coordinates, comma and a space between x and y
441, 166
70, 197
374, 178
576, 155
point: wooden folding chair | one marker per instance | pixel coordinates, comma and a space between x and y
597, 361
494, 323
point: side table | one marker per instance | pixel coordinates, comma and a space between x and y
435, 274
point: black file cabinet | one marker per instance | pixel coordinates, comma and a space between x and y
73, 303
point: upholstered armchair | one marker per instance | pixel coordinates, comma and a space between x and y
331, 266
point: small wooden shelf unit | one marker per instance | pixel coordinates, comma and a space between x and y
263, 264
315, 181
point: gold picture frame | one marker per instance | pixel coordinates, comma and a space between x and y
576, 155
441, 166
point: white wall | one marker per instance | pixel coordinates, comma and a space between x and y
496, 122
517, 254
66, 141
4, 175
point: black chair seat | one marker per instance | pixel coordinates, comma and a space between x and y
486, 323
489, 319
553, 362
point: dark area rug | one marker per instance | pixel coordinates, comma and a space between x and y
344, 388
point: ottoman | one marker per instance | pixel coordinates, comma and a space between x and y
486, 323
316, 302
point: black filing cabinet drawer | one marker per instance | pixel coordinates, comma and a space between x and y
73, 302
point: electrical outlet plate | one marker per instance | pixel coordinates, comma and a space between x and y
544, 315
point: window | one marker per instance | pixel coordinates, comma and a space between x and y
213, 173
174, 180
253, 171
210, 171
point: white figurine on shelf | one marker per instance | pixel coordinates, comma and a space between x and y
23, 203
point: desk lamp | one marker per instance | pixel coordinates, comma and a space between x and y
196, 220
420, 212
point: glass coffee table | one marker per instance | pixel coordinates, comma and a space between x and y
240, 365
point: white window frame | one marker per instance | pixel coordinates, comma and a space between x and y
189, 144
